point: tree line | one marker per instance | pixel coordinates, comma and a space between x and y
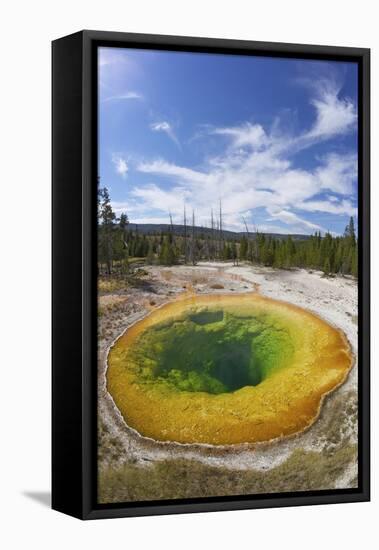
119, 245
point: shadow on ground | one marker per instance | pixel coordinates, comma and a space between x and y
41, 497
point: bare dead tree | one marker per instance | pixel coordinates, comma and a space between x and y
254, 243
208, 242
185, 233
217, 244
171, 235
220, 226
193, 239
171, 224
212, 235
246, 227
124, 223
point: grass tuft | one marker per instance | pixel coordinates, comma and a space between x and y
172, 479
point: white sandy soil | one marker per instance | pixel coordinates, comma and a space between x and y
334, 299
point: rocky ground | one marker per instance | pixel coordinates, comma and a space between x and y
335, 431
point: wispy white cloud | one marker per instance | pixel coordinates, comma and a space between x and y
108, 57
182, 173
257, 169
330, 206
338, 173
334, 115
119, 75
123, 96
167, 128
256, 181
120, 164
252, 135
292, 219
159, 198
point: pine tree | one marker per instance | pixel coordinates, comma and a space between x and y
233, 251
279, 256
227, 251
123, 223
327, 267
185, 234
167, 254
106, 218
350, 231
244, 248
289, 252
354, 262
150, 253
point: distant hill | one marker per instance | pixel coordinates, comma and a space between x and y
156, 229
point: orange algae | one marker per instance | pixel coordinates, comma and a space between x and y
286, 401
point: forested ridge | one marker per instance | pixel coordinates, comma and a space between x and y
119, 245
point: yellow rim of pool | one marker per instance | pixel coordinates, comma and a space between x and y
225, 369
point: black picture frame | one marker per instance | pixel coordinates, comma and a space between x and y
74, 174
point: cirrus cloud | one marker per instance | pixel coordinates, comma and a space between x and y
257, 172
167, 128
120, 164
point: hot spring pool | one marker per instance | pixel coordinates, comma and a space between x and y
225, 369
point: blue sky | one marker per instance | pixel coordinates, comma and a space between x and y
274, 139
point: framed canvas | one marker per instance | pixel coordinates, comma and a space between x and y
210, 275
